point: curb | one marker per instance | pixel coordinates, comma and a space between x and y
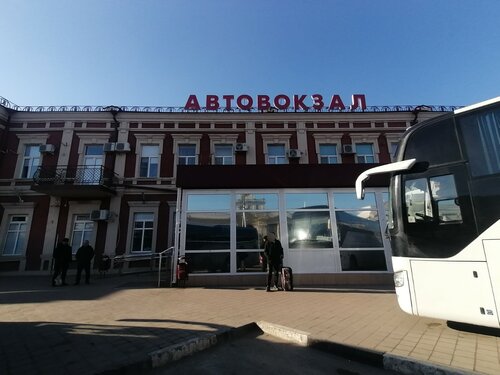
177, 351
387, 361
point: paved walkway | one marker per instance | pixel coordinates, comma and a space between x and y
117, 321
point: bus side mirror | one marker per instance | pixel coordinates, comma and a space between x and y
398, 166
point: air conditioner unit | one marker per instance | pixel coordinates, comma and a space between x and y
109, 147
348, 149
241, 147
122, 146
294, 154
97, 215
47, 149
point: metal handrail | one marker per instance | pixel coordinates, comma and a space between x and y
121, 259
158, 109
171, 250
77, 175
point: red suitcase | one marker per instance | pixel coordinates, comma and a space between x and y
286, 278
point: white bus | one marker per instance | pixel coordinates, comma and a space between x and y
444, 216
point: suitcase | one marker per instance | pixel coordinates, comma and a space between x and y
286, 278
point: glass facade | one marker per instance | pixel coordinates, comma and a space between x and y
224, 232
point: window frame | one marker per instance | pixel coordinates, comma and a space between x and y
366, 138
224, 157
328, 138
10, 210
148, 140
189, 157
142, 207
275, 139
26, 140
32, 167
143, 230
391, 140
148, 161
75, 220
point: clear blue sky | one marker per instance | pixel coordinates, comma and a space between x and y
152, 52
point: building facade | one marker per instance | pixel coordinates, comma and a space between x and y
210, 183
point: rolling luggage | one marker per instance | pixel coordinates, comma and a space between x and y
286, 278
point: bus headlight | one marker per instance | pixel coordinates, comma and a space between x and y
399, 278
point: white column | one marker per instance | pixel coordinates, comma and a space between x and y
302, 142
250, 141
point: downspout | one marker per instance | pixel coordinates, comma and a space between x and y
177, 234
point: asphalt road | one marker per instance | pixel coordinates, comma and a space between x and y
260, 353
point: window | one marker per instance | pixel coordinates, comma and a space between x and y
143, 232
208, 233
418, 201
15, 240
149, 161
83, 229
308, 220
187, 154
276, 154
357, 221
444, 193
442, 190
328, 154
481, 133
393, 148
93, 160
364, 153
223, 154
435, 143
31, 161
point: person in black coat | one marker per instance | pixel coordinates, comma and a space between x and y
274, 254
62, 258
83, 257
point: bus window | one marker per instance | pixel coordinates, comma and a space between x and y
481, 134
418, 203
444, 193
435, 144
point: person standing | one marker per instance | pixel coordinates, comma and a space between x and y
84, 256
62, 258
274, 254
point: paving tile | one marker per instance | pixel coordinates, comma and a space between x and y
112, 324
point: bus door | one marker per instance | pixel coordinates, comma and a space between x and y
439, 220
439, 225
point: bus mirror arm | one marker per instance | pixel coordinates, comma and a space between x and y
398, 166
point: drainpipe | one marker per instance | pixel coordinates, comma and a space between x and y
177, 234
417, 110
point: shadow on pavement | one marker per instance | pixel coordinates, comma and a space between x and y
54, 347
38, 289
258, 353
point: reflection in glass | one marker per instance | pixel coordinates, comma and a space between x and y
358, 229
418, 202
306, 200
309, 229
449, 210
251, 227
253, 201
348, 201
207, 231
209, 202
444, 192
208, 262
363, 261
249, 262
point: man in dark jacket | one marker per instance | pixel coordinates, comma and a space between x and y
62, 258
83, 257
274, 254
